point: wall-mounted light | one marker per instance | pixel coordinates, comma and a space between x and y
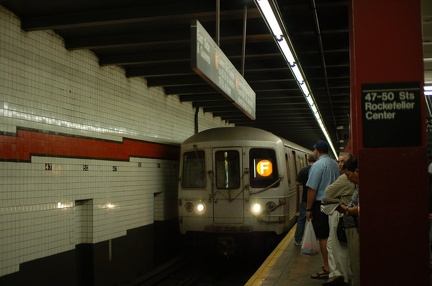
110, 206
272, 17
63, 205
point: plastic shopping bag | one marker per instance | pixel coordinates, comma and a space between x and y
310, 244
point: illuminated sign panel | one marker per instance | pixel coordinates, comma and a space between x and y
263, 168
209, 62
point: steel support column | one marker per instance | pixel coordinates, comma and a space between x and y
386, 49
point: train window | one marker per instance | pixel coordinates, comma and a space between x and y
194, 170
263, 166
227, 166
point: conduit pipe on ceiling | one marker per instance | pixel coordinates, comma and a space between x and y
321, 47
218, 22
244, 41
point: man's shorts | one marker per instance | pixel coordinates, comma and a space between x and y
320, 221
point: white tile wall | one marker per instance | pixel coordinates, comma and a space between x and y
43, 86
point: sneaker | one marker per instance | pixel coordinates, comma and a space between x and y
297, 243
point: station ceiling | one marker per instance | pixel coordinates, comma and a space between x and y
152, 39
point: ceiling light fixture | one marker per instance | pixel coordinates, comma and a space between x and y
271, 15
428, 90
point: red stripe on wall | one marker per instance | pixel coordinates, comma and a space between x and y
30, 142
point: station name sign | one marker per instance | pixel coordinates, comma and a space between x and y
392, 114
209, 62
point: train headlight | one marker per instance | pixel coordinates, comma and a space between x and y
256, 208
197, 207
200, 208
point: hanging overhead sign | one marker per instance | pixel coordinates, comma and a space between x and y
392, 114
209, 62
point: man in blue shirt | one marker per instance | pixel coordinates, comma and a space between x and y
321, 175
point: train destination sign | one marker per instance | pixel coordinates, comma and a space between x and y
209, 62
264, 168
391, 114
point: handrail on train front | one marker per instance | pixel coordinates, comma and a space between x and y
266, 188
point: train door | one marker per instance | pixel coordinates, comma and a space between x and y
227, 187
295, 165
288, 168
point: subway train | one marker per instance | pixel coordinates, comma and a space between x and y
238, 181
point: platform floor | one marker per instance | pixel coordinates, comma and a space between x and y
287, 266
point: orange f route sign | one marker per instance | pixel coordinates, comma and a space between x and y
264, 168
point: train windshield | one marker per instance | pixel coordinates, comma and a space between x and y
227, 166
263, 166
194, 170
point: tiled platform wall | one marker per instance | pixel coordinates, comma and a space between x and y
85, 153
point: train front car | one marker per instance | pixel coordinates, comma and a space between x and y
233, 181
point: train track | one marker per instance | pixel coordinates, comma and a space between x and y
193, 271
173, 272
198, 266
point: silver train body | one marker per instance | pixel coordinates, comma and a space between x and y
238, 180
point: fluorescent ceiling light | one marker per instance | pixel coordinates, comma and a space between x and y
271, 16
427, 90
314, 109
305, 89
297, 73
286, 51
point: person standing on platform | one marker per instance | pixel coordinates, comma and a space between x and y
342, 189
351, 212
301, 180
321, 175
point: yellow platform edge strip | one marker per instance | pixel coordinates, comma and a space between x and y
262, 272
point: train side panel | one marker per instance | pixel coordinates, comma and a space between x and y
295, 162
